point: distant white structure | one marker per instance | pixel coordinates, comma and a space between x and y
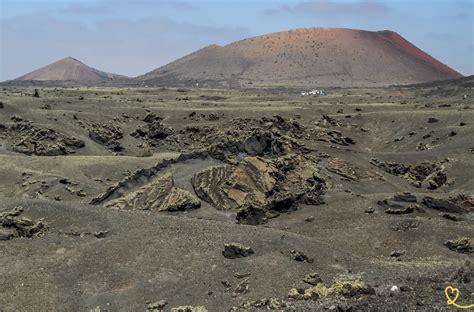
313, 93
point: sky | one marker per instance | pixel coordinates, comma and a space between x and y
132, 37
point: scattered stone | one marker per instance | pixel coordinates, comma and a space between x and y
189, 309
396, 253
432, 120
296, 294
242, 288
405, 197
265, 304
101, 234
157, 306
309, 219
405, 225
300, 257
312, 279
461, 245
396, 208
327, 120
451, 217
235, 250
226, 284
369, 210
242, 275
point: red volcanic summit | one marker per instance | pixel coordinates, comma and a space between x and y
327, 57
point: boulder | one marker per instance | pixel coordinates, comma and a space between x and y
235, 250
461, 245
312, 279
251, 216
300, 257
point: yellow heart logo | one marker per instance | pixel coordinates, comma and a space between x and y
452, 294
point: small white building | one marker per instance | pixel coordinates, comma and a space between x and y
313, 93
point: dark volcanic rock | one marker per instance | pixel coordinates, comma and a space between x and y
459, 204
312, 279
251, 216
30, 139
405, 197
426, 174
153, 131
12, 225
107, 135
300, 257
234, 250
461, 244
396, 208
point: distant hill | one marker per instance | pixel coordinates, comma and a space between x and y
69, 69
329, 57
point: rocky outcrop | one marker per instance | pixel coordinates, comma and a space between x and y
426, 174
30, 139
13, 225
458, 204
107, 135
260, 186
159, 195
153, 131
232, 187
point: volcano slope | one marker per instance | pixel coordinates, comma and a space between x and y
149, 199
68, 69
304, 58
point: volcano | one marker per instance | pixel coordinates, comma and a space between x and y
328, 57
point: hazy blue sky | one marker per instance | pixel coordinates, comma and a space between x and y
132, 37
